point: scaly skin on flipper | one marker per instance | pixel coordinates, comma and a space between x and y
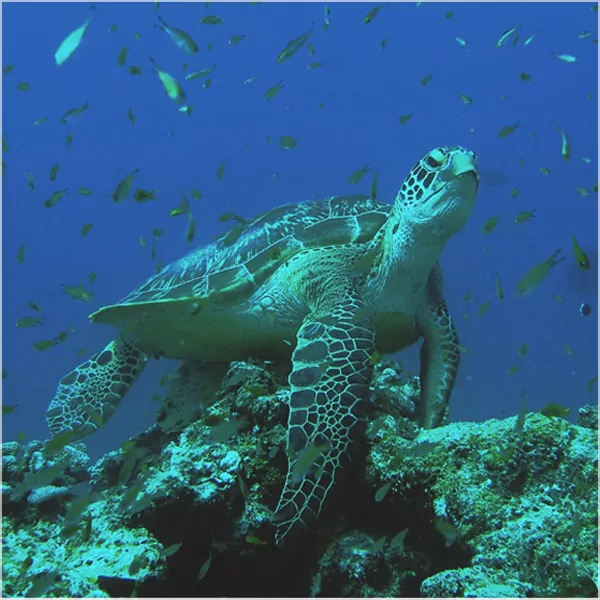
440, 356
329, 386
96, 386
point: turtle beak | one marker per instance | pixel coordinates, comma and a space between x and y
464, 164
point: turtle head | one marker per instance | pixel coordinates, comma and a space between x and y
439, 192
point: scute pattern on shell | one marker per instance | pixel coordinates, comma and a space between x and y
332, 221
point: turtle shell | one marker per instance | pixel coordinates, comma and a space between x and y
229, 270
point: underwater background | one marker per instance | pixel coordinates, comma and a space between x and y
342, 114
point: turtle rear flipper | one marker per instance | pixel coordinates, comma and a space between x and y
329, 386
87, 397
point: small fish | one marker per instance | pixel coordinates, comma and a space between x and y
522, 351
236, 39
565, 149
525, 216
490, 224
531, 37
404, 118
182, 39
136, 565
224, 430
286, 142
34, 306
383, 491
252, 539
70, 44
221, 170
592, 382
555, 410
23, 86
69, 139
53, 171
191, 229
182, 209
383, 44
86, 532
448, 530
122, 57
251, 79
199, 74
536, 275
357, 175
509, 129
506, 35
585, 309
196, 194
580, 255
44, 345
204, 568
374, 186
449, 14
293, 46
124, 187
134, 70
77, 292
465, 99
130, 116
29, 322
398, 540
141, 195
378, 545
461, 41
483, 308
172, 87
74, 113
524, 76
426, 80
468, 296
9, 409
499, 291
21, 254
305, 459
86, 229
7, 69
512, 370
211, 20
515, 192
314, 65
83, 191
170, 550
545, 171
273, 91
568, 349
568, 58
55, 198
30, 181
373, 13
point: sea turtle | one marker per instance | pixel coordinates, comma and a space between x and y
327, 283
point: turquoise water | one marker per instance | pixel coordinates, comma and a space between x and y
364, 89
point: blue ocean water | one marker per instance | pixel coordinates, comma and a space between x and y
364, 90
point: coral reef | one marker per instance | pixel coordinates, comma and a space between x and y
505, 508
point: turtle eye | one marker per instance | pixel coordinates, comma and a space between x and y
434, 164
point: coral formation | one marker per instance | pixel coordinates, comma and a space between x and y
505, 508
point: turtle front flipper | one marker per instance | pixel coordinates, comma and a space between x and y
329, 386
87, 397
440, 356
